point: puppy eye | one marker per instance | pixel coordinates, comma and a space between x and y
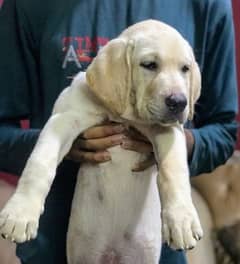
185, 68
149, 65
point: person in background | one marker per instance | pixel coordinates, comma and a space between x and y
44, 44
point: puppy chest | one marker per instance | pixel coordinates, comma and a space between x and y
113, 184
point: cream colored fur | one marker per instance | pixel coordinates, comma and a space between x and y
116, 212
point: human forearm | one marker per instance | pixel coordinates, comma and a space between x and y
16, 145
212, 145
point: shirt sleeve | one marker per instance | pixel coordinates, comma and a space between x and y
215, 127
15, 143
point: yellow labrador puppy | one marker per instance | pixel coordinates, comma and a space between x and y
146, 78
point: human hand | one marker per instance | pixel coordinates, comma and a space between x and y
135, 141
92, 145
189, 141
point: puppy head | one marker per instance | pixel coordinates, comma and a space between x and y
148, 74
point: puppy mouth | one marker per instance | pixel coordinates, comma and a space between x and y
169, 120
166, 119
176, 118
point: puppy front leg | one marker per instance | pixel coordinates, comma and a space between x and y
19, 218
180, 222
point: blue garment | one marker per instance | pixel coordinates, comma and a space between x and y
43, 44
170, 256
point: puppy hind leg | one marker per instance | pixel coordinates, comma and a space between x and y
82, 250
139, 254
106, 258
110, 257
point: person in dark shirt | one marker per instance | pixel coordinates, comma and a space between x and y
44, 44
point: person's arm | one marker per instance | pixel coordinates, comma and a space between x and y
15, 143
215, 127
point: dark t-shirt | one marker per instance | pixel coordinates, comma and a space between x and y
43, 44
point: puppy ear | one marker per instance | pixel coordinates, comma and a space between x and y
195, 88
108, 76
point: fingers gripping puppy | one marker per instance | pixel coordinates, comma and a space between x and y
147, 78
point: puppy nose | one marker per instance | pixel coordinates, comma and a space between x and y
176, 102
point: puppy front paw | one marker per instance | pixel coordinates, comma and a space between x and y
181, 226
19, 218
